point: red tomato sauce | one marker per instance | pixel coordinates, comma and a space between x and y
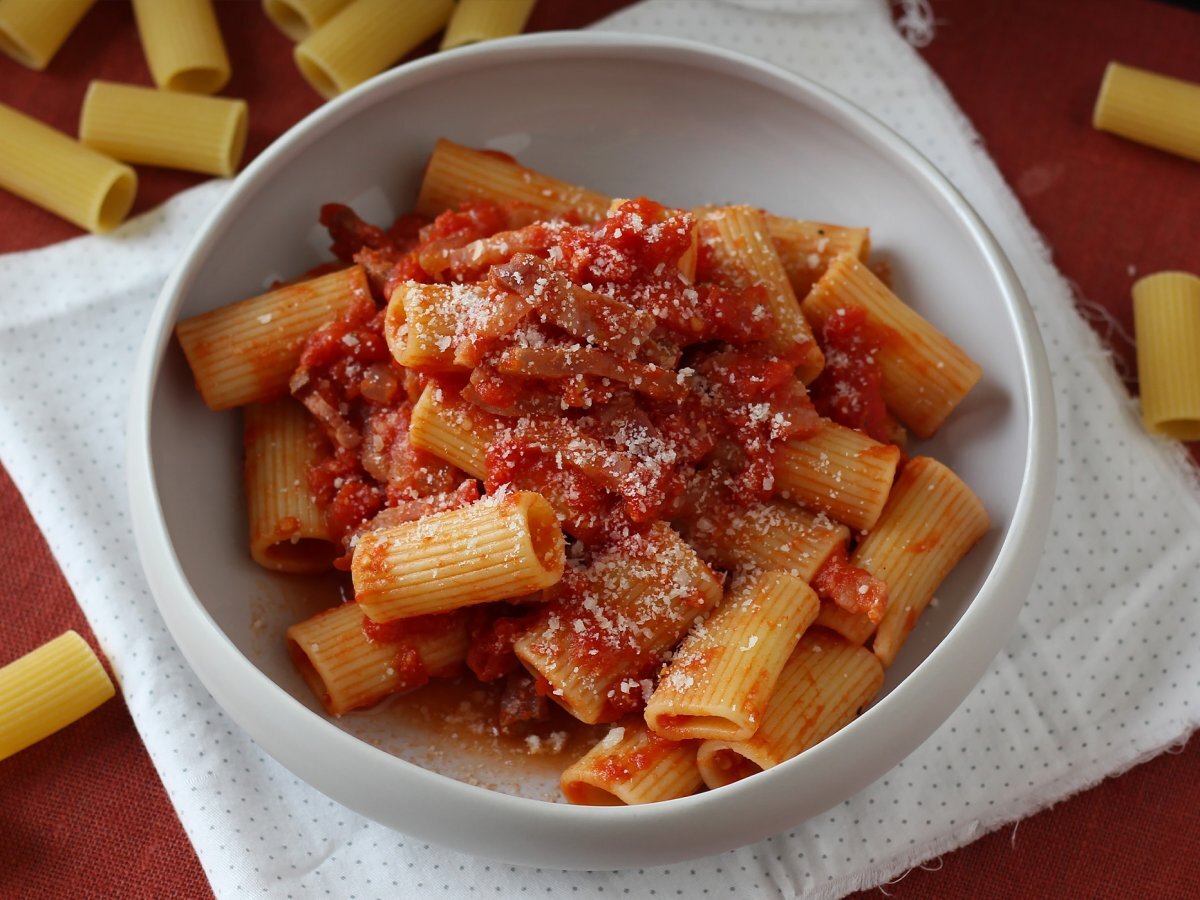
849, 389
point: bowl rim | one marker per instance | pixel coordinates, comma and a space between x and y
605, 836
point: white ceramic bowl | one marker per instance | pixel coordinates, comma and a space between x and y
604, 111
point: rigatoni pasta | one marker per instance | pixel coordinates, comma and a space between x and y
507, 545
483, 20
719, 680
594, 452
807, 248
47, 689
1166, 317
608, 625
737, 237
46, 167
183, 45
299, 18
31, 31
349, 667
1149, 108
631, 765
364, 38
823, 686
247, 352
140, 125
932, 519
288, 531
925, 375
840, 472
457, 174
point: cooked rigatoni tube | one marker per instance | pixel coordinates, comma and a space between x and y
456, 174
452, 430
1149, 108
855, 627
47, 689
720, 679
610, 622
347, 669
632, 765
1166, 314
930, 522
923, 373
840, 472
775, 535
31, 31
247, 351
299, 18
364, 38
422, 326
183, 45
506, 545
744, 253
823, 686
61, 175
482, 20
807, 248
288, 532
159, 128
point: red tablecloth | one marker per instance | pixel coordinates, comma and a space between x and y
83, 812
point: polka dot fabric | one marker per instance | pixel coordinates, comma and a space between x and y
1098, 675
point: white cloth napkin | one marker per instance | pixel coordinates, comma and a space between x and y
1097, 676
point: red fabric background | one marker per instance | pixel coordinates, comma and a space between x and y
84, 813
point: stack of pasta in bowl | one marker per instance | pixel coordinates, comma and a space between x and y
639, 464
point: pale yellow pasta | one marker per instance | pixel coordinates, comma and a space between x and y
347, 670
775, 535
855, 627
183, 45
483, 20
456, 174
823, 687
247, 351
422, 324
631, 765
364, 38
452, 430
31, 31
742, 248
288, 532
299, 18
1166, 313
838, 471
930, 522
47, 689
609, 624
159, 128
807, 248
720, 678
1149, 108
507, 545
61, 175
923, 373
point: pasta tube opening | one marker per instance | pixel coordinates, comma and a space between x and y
309, 673
583, 794
724, 765
301, 555
317, 73
287, 18
116, 200
197, 80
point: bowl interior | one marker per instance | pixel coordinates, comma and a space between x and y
669, 125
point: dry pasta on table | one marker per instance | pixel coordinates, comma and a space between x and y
610, 462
